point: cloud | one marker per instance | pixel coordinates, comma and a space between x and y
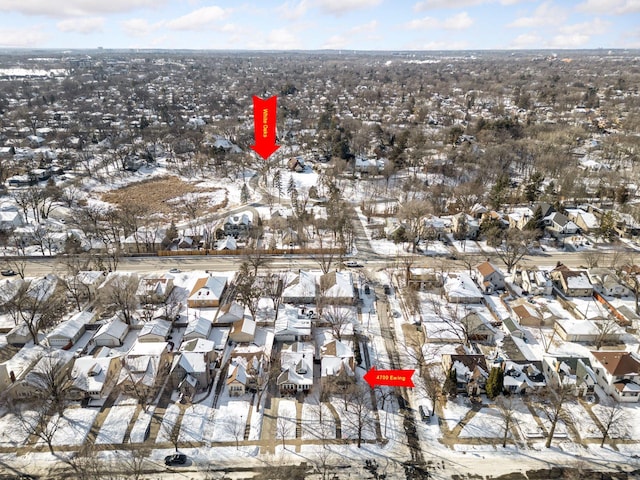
336, 42
440, 45
75, 8
546, 14
22, 37
198, 19
575, 40
294, 10
609, 7
81, 25
459, 21
366, 27
138, 27
425, 5
526, 40
277, 39
338, 7
593, 27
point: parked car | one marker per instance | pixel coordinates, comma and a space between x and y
424, 414
174, 270
175, 459
8, 273
387, 290
367, 290
352, 263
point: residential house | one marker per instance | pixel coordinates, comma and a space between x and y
606, 282
19, 365
299, 288
291, 326
69, 332
559, 225
227, 243
191, 373
111, 334
156, 330
296, 164
336, 288
471, 372
229, 313
337, 365
10, 218
570, 370
465, 226
154, 289
207, 292
94, 377
20, 335
478, 328
368, 165
459, 288
424, 278
522, 377
144, 368
296, 364
536, 282
237, 380
490, 278
50, 368
618, 373
573, 283
626, 226
86, 283
243, 331
586, 221
528, 315
588, 331
238, 225
198, 327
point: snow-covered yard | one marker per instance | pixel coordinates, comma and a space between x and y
115, 425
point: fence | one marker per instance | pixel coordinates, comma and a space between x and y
273, 251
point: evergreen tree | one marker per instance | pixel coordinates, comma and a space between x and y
244, 193
495, 382
277, 182
291, 186
450, 386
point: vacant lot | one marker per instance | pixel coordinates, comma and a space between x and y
165, 195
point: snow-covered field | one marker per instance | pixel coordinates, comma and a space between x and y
484, 424
115, 425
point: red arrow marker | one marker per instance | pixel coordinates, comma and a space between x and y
264, 124
390, 378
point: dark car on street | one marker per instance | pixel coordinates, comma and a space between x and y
175, 459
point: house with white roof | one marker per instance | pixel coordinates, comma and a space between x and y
559, 225
296, 363
243, 331
588, 331
237, 381
19, 365
337, 365
573, 283
606, 282
586, 221
156, 330
570, 370
10, 218
198, 327
87, 282
459, 288
536, 282
67, 333
191, 373
111, 334
207, 292
238, 225
144, 367
292, 327
229, 313
337, 288
52, 366
93, 377
299, 288
522, 378
154, 289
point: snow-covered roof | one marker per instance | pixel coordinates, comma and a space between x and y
198, 326
192, 362
461, 286
302, 285
115, 329
337, 284
89, 374
208, 288
71, 327
157, 327
147, 348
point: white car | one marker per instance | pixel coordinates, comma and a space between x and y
352, 263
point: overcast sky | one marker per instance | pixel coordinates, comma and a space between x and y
321, 24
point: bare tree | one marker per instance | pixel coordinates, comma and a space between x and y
134, 461
613, 420
171, 430
36, 307
606, 331
507, 413
592, 258
552, 401
338, 318
360, 412
171, 305
256, 259
121, 295
37, 421
235, 426
514, 246
432, 378
283, 429
273, 286
248, 290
